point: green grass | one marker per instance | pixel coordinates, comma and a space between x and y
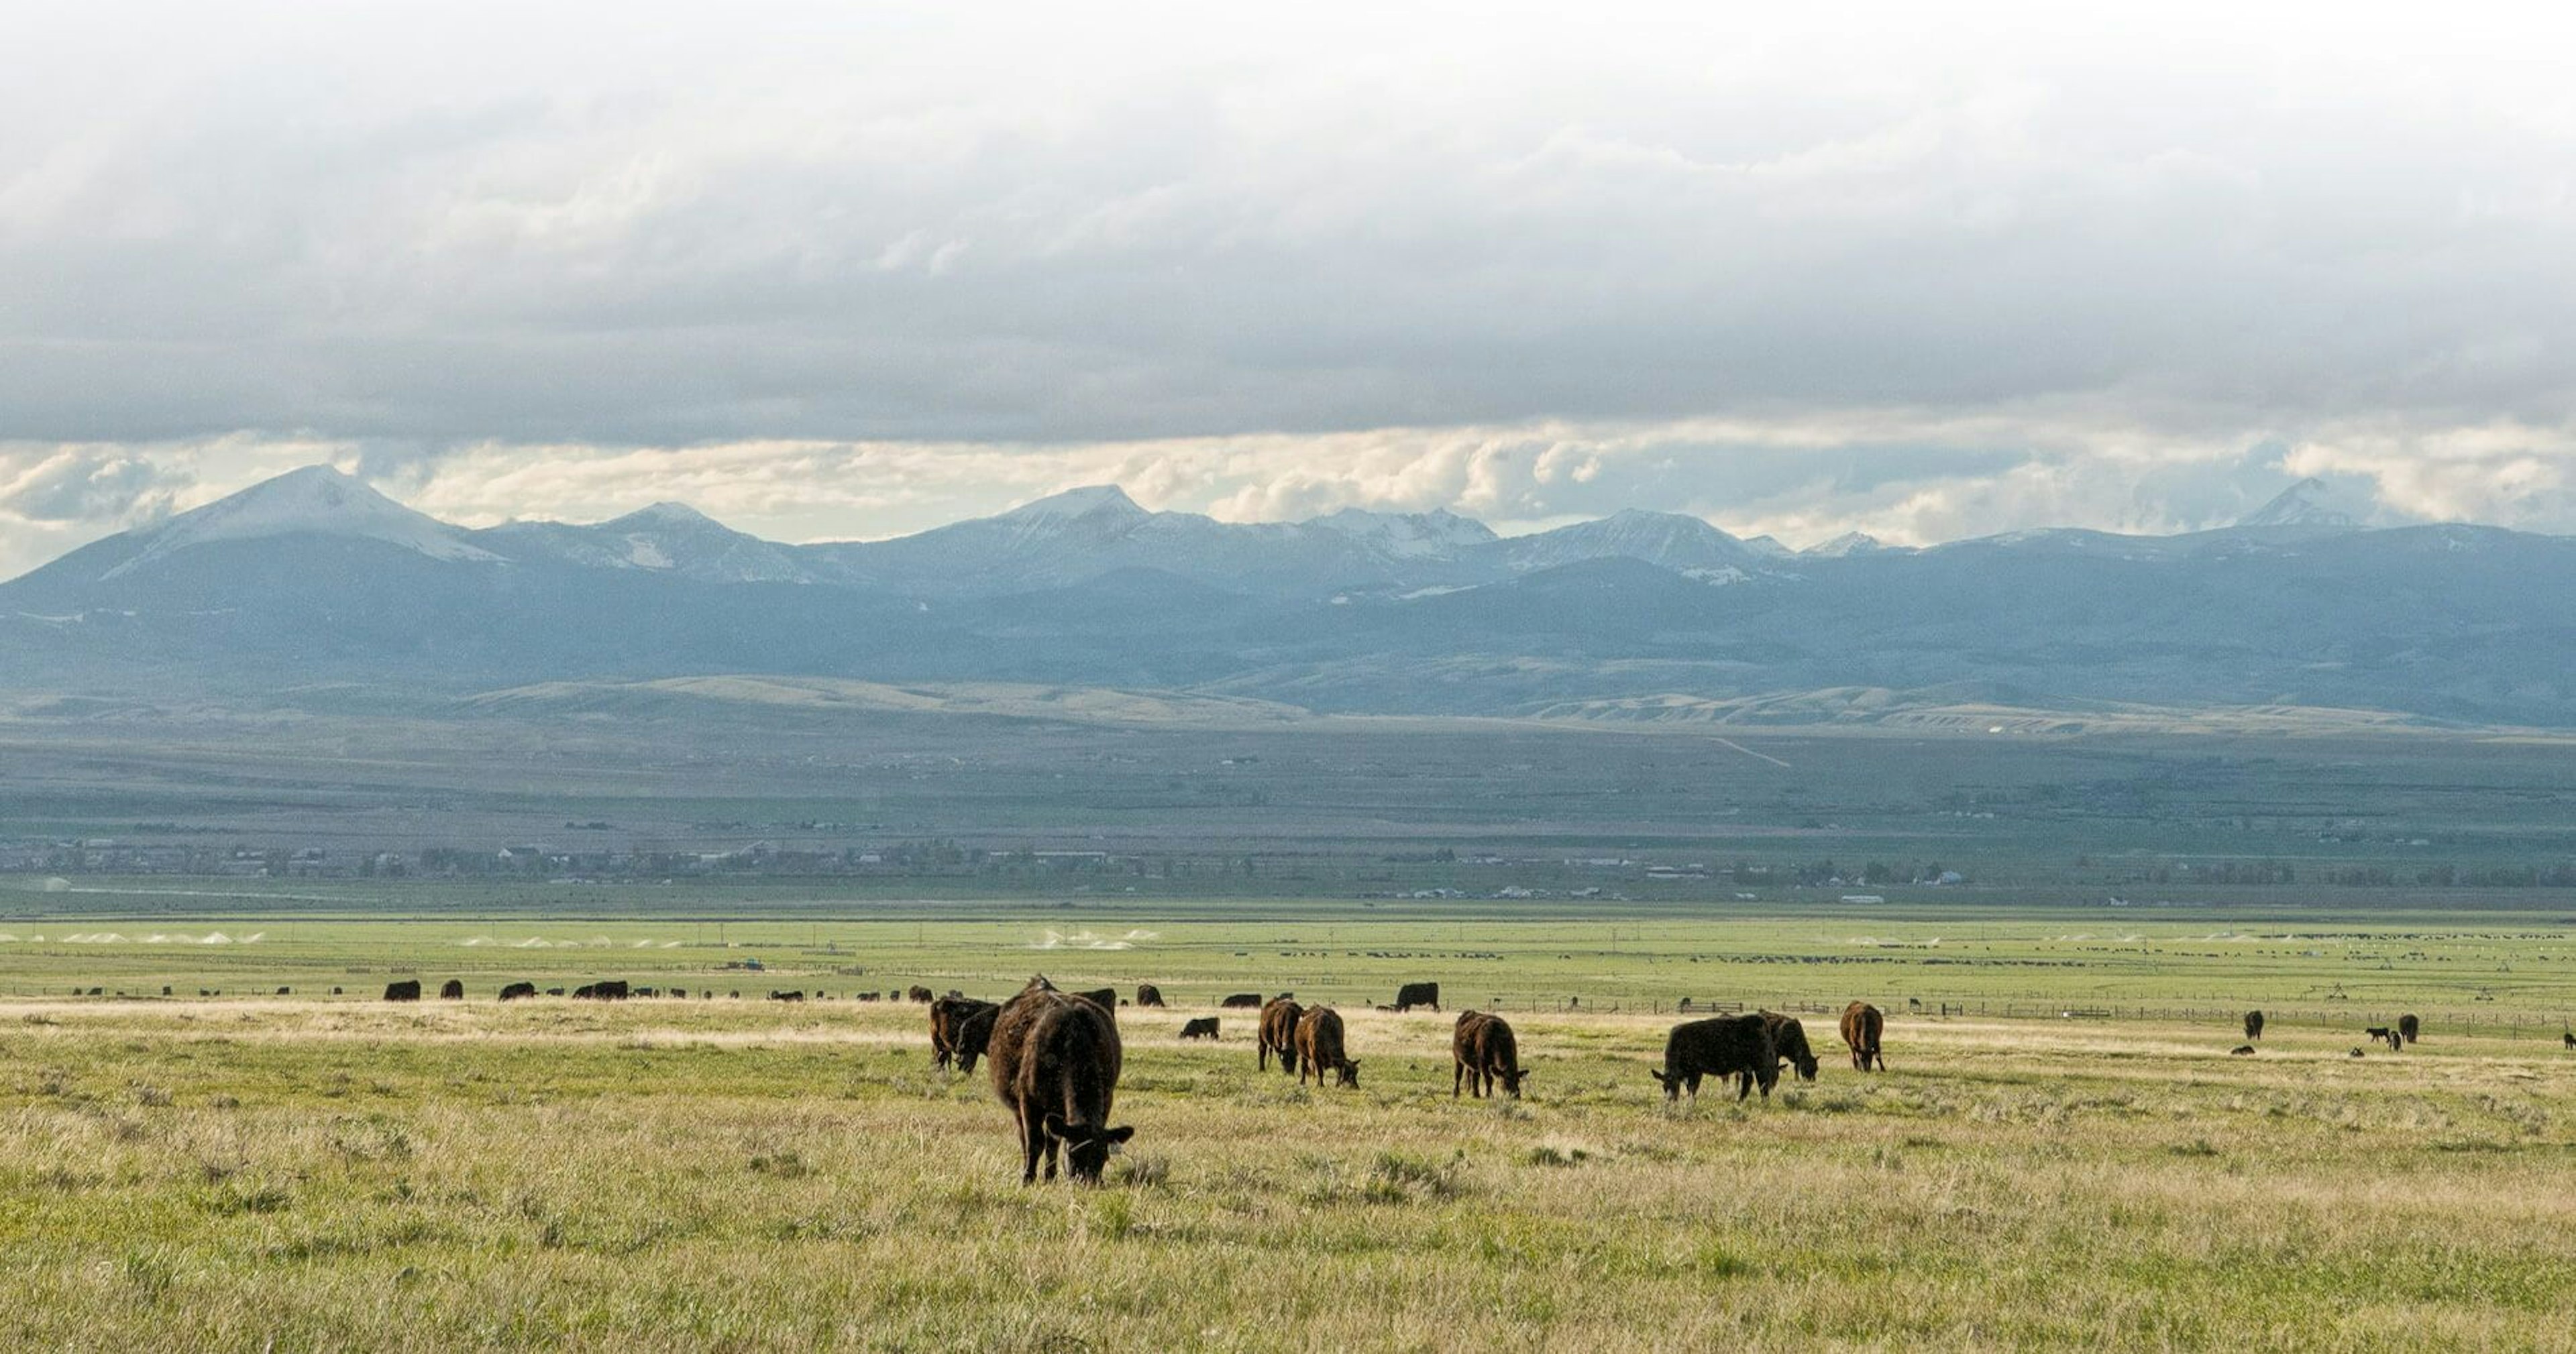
304, 1174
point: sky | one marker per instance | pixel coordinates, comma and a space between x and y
836, 271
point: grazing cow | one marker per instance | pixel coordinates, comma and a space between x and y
515, 991
1056, 1060
1202, 1028
1411, 995
2408, 1027
1106, 998
1862, 1026
919, 994
452, 990
406, 990
2253, 1024
1241, 1001
1319, 1048
283, 991
1789, 1036
2571, 1039
1279, 1034
1482, 1050
1722, 1047
2241, 1051
554, 991
948, 1017
1148, 995
606, 989
797, 995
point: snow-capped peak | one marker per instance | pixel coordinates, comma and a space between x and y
1407, 535
664, 514
1106, 501
1768, 547
1846, 545
314, 500
2310, 503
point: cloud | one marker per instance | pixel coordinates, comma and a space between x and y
1928, 272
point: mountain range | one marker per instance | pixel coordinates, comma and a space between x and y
315, 580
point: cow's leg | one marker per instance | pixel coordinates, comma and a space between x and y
1030, 1135
1457, 1077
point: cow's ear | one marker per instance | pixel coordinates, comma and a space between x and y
1055, 1127
1121, 1133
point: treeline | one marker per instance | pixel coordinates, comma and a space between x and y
2259, 873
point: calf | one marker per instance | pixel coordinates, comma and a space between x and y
406, 990
1862, 1025
1481, 1050
1202, 1028
1279, 1034
1789, 1036
1056, 1060
949, 1017
1148, 995
2241, 1051
2384, 1035
2253, 1024
1411, 995
1319, 1048
1723, 1047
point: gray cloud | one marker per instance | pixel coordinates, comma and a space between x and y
1924, 273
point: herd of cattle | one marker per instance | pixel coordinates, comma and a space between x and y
1056, 1056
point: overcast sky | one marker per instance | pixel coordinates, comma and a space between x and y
851, 270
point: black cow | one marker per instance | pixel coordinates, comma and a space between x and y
1320, 1048
1483, 1050
607, 989
948, 1019
2383, 1034
452, 990
1279, 1034
515, 991
1242, 1001
406, 990
1723, 1047
1789, 1036
1056, 1059
2408, 1027
1411, 995
1148, 995
283, 991
1202, 1028
1106, 998
797, 995
2253, 1024
920, 994
2241, 1051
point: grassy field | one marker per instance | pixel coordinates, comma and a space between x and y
303, 1173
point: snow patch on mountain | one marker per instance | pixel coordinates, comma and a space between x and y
1438, 534
1845, 546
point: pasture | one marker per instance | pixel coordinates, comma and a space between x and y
299, 1173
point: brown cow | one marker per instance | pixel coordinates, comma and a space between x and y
1319, 1048
1723, 1047
1482, 1049
1056, 1059
1862, 1025
918, 993
1279, 1034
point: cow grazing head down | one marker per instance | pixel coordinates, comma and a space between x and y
1087, 1147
